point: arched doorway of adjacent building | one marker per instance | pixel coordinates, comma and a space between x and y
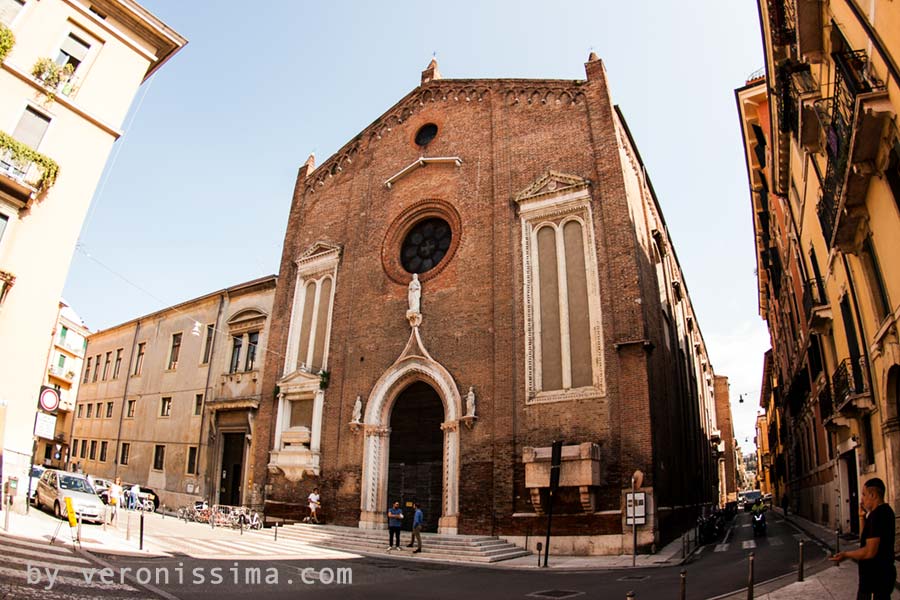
416, 453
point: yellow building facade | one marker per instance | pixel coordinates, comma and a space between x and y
823, 158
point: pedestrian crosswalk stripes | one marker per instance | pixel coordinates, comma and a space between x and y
750, 544
247, 545
34, 568
22, 556
74, 580
59, 548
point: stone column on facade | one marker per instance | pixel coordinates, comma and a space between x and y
279, 422
449, 521
375, 463
315, 442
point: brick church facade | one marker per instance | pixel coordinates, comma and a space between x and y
481, 271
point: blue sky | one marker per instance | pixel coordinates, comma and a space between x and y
196, 194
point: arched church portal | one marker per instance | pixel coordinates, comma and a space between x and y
416, 453
411, 447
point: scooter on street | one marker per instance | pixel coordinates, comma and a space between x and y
759, 524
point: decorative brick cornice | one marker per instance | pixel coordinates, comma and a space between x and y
512, 93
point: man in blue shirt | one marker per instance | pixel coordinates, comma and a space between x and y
418, 520
395, 520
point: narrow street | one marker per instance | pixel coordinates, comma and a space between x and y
716, 569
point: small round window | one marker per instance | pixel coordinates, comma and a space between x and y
425, 245
426, 133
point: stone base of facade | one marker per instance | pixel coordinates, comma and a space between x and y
372, 520
584, 545
448, 525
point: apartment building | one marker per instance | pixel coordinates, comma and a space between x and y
64, 364
69, 71
823, 159
169, 400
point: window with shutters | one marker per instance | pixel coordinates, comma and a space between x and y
32, 126
72, 51
563, 326
30, 130
9, 10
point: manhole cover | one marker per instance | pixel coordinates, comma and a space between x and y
556, 594
635, 578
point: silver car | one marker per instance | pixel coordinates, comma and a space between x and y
55, 486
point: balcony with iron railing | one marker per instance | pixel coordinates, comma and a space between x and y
782, 22
815, 305
61, 373
859, 113
851, 387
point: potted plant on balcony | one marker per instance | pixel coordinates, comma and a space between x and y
7, 40
52, 76
21, 155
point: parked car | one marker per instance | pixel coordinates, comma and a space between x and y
36, 472
55, 486
101, 486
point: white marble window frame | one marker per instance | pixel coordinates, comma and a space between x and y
555, 211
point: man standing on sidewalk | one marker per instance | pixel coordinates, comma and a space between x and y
418, 521
875, 555
395, 520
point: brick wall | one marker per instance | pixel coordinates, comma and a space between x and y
508, 134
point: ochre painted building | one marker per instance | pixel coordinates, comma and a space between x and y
823, 160
547, 304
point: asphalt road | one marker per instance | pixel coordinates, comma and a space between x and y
715, 570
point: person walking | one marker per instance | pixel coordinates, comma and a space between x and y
395, 521
418, 521
875, 556
114, 497
134, 501
314, 505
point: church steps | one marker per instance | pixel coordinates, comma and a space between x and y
483, 549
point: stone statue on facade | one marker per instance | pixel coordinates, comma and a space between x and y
470, 403
415, 294
357, 410
414, 314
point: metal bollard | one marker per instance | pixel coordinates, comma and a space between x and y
750, 580
141, 546
163, 511
127, 526
275, 527
683, 594
800, 571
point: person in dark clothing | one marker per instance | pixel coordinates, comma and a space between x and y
875, 555
395, 520
418, 521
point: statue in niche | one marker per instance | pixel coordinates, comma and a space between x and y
470, 403
357, 410
415, 294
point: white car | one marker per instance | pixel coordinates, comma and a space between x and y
55, 486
